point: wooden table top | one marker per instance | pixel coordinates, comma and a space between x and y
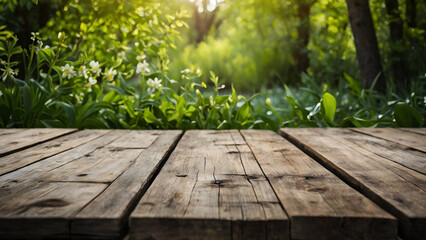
306, 183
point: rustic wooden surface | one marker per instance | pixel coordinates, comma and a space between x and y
413, 139
319, 204
84, 192
210, 188
249, 184
12, 140
395, 182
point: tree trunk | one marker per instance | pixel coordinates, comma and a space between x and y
410, 12
203, 21
300, 53
396, 34
366, 44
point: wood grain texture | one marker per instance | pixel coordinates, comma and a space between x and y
8, 131
107, 215
319, 205
406, 138
15, 140
28, 156
415, 130
396, 188
210, 188
406, 156
52, 197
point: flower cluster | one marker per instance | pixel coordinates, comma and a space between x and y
154, 84
90, 73
8, 71
190, 72
110, 74
68, 71
143, 67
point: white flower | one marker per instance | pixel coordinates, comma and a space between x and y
92, 81
110, 74
198, 72
154, 84
95, 67
1, 93
140, 58
187, 70
67, 71
82, 71
143, 67
8, 72
39, 44
122, 55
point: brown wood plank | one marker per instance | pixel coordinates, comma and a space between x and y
9, 131
37, 171
409, 139
44, 199
210, 188
18, 140
415, 130
44, 209
319, 204
397, 189
406, 156
107, 215
16, 223
28, 156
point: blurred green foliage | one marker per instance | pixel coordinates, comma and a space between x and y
255, 43
119, 64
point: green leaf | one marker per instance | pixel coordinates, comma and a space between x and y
27, 98
221, 99
149, 116
69, 110
243, 113
117, 89
407, 116
41, 87
354, 85
52, 123
356, 122
291, 101
328, 108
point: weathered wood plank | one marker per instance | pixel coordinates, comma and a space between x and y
397, 189
107, 215
9, 131
319, 204
48, 205
28, 156
415, 130
210, 188
37, 171
15, 140
409, 139
89, 178
48, 222
406, 156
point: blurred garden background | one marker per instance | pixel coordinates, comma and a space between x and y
217, 64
